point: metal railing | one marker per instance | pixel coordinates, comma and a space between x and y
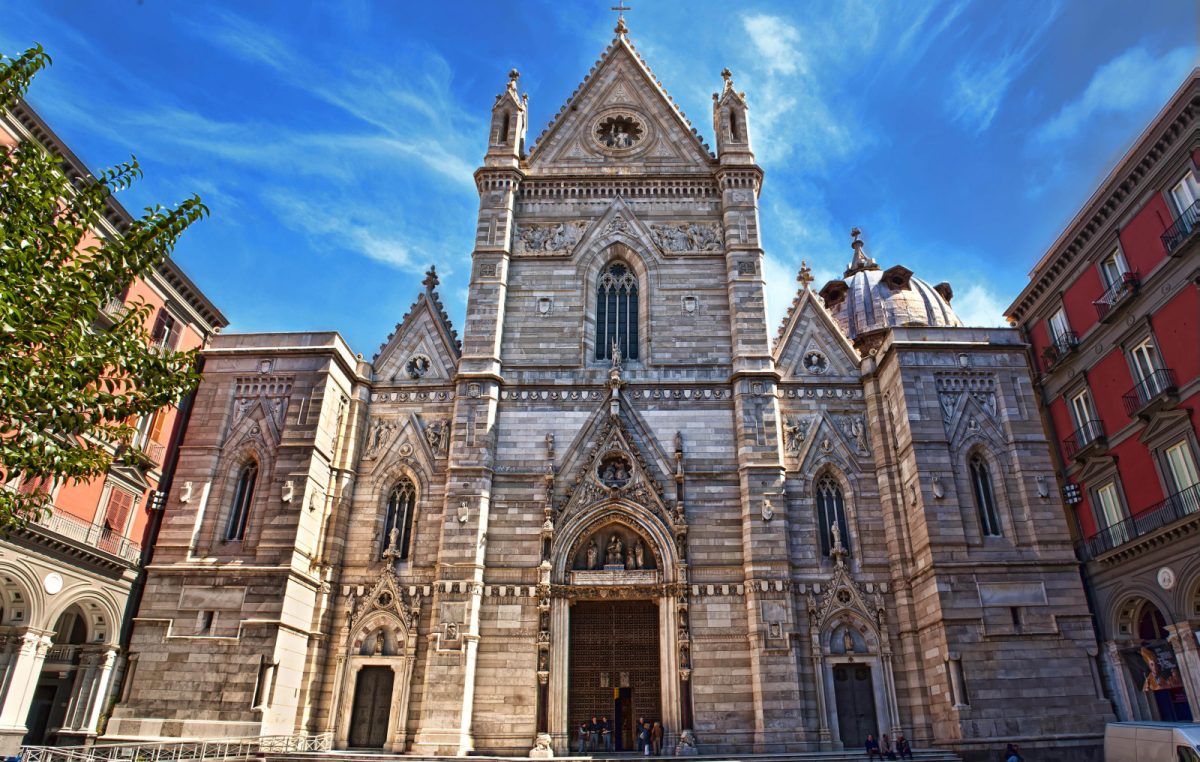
1120, 290
90, 534
1059, 347
1148, 389
179, 751
1183, 503
1089, 433
115, 308
1183, 226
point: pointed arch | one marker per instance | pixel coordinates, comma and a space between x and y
398, 516
829, 498
982, 477
570, 537
244, 490
617, 318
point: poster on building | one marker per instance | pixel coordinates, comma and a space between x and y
1152, 664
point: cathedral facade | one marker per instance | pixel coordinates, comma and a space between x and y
617, 496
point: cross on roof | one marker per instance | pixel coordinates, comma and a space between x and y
620, 8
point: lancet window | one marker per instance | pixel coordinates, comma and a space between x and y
831, 510
985, 496
243, 496
617, 312
401, 506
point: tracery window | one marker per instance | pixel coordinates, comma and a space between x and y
985, 496
243, 495
617, 312
401, 506
831, 510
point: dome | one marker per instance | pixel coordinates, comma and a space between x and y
868, 299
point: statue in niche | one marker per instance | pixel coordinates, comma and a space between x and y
379, 641
615, 471
795, 431
629, 559
847, 641
616, 552
452, 631
434, 433
593, 554
816, 362
417, 366
639, 555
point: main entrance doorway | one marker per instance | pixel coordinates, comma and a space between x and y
855, 693
372, 705
614, 668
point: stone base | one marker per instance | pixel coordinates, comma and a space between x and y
542, 747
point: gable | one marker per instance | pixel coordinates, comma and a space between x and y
811, 346
620, 115
424, 346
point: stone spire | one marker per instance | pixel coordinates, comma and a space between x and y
805, 278
860, 260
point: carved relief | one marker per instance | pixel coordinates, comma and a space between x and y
687, 237
417, 366
437, 434
559, 238
852, 426
795, 432
816, 362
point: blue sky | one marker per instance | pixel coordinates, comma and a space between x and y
334, 142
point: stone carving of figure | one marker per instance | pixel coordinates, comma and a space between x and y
393, 538
616, 551
593, 554
639, 555
452, 631
794, 432
856, 431
433, 435
847, 641
378, 651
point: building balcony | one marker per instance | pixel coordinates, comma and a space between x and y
86, 533
1153, 393
1119, 293
1088, 438
1176, 508
1061, 346
1183, 228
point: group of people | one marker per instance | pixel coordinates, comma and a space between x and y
887, 748
597, 735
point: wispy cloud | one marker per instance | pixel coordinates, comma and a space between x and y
978, 306
1136, 80
776, 40
980, 83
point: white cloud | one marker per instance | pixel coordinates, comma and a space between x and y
980, 84
1133, 81
775, 41
979, 307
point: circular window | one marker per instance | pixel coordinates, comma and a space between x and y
417, 366
619, 131
615, 470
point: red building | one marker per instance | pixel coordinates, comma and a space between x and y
1112, 313
66, 578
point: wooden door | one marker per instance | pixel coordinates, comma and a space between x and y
855, 694
372, 707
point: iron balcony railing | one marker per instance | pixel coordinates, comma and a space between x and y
90, 534
179, 751
1060, 346
1180, 505
1088, 434
1120, 290
1183, 226
1150, 388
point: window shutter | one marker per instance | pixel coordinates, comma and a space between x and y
156, 428
119, 505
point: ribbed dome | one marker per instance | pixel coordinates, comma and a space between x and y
868, 299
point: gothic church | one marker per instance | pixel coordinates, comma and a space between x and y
616, 495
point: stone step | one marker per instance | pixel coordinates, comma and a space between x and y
812, 756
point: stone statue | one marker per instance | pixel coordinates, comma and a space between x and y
639, 555
687, 744
393, 538
616, 551
542, 747
378, 643
433, 435
593, 554
847, 641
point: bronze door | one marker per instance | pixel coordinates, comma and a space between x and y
614, 667
372, 705
855, 693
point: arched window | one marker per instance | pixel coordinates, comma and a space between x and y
243, 495
831, 509
985, 496
401, 506
617, 312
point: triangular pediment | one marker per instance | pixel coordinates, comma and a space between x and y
813, 440
413, 439
424, 346
967, 417
810, 346
620, 115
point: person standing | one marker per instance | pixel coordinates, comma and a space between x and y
606, 738
583, 737
656, 738
594, 734
1012, 753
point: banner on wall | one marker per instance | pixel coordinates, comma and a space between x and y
1153, 664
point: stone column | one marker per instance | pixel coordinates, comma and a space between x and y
1183, 641
23, 673
1115, 671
